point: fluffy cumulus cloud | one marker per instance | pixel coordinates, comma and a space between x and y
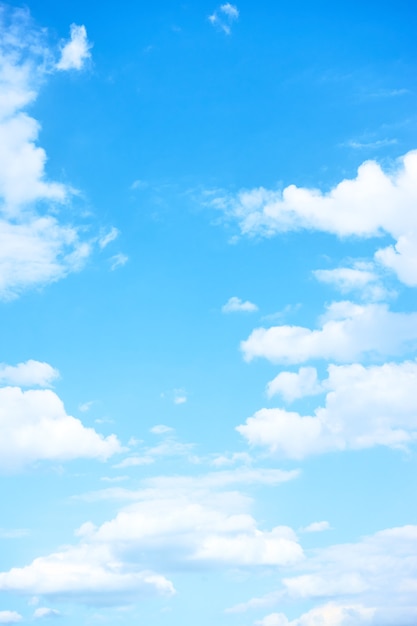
191, 521
293, 385
373, 203
35, 425
379, 573
236, 305
76, 51
347, 332
172, 523
363, 407
86, 574
371, 582
27, 374
36, 246
10, 617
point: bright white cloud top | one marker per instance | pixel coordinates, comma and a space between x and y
76, 51
222, 431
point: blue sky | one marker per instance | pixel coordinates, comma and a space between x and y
208, 237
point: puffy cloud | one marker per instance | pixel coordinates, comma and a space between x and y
293, 385
364, 407
381, 570
190, 523
236, 305
86, 574
171, 523
36, 246
375, 202
36, 427
348, 331
76, 51
27, 374
371, 582
402, 258
10, 617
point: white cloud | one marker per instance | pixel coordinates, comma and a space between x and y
316, 527
348, 331
372, 582
28, 374
371, 145
180, 396
171, 523
13, 533
220, 460
10, 617
86, 574
36, 248
401, 258
190, 523
195, 484
364, 407
330, 614
294, 385
108, 237
135, 461
224, 16
372, 204
161, 429
236, 305
45, 612
37, 251
380, 570
118, 260
230, 10
358, 279
35, 427
76, 51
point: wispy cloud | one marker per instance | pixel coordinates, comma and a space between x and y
224, 16
118, 260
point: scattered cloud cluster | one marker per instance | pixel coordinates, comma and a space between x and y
224, 16
348, 331
370, 582
171, 522
364, 406
35, 425
36, 245
28, 374
372, 204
